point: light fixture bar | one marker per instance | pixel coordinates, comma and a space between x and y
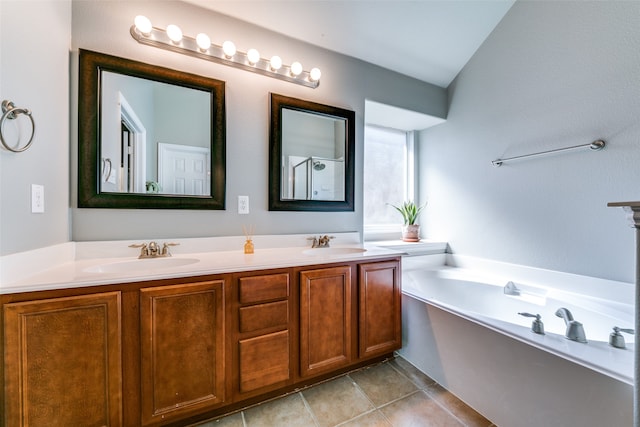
159, 38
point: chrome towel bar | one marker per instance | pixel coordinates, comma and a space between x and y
595, 145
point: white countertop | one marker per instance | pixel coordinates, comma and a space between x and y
79, 264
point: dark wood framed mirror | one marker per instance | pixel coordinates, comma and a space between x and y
311, 156
149, 137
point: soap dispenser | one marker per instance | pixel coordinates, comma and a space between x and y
616, 339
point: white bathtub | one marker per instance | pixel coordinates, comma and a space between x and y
463, 331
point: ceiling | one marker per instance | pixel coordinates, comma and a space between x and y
430, 40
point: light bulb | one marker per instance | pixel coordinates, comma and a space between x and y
275, 63
203, 41
253, 56
314, 74
296, 69
229, 49
175, 33
143, 24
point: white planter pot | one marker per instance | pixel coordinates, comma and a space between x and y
411, 233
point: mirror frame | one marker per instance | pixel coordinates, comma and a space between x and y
276, 203
89, 145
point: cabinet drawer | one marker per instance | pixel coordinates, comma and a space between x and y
263, 316
263, 288
264, 361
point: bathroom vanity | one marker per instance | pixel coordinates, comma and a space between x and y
180, 349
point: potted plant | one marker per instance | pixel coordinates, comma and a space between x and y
410, 212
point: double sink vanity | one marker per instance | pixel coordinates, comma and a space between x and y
108, 339
93, 335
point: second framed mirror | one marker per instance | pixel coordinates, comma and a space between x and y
311, 156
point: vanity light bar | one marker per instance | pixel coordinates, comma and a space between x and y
201, 47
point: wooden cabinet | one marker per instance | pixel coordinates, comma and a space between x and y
326, 310
336, 317
177, 351
262, 343
62, 361
182, 350
379, 316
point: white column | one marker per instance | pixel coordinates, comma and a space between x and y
633, 214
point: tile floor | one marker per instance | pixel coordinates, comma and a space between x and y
389, 394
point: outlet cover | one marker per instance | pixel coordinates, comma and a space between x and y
243, 205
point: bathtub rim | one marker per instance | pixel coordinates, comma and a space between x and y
617, 357
618, 291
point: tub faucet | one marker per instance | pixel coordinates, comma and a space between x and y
575, 330
511, 289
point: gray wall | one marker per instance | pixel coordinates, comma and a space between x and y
34, 73
104, 26
552, 74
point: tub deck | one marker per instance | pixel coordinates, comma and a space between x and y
463, 331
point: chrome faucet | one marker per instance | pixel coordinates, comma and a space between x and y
321, 241
153, 250
575, 330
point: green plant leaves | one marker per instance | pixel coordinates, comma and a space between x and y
409, 211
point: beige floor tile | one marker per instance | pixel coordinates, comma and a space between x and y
233, 420
404, 396
461, 410
336, 401
418, 410
289, 411
382, 384
414, 374
370, 419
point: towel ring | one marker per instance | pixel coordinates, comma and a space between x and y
106, 169
10, 112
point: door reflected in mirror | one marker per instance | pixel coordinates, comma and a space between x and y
155, 137
311, 164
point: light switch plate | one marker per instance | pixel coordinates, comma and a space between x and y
37, 198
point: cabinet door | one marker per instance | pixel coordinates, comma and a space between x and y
182, 339
380, 324
63, 361
325, 320
264, 361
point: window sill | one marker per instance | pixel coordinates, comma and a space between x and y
423, 247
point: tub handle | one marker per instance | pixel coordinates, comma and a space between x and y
537, 327
616, 339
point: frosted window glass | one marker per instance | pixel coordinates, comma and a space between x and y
385, 174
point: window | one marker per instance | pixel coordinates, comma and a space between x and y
388, 177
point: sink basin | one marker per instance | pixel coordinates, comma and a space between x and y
333, 251
148, 264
